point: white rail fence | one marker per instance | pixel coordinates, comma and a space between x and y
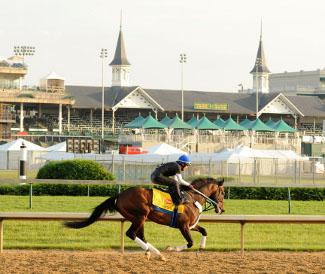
240, 219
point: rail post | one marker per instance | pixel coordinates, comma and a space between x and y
242, 238
313, 169
122, 237
295, 171
124, 169
1, 236
254, 170
289, 200
30, 196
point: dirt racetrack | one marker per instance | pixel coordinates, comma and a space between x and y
54, 261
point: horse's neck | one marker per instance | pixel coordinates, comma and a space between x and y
206, 190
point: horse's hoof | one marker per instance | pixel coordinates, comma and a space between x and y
147, 253
197, 253
162, 258
167, 249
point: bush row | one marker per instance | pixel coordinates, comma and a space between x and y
74, 170
257, 193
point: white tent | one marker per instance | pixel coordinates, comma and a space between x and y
62, 147
10, 153
164, 149
56, 156
52, 81
250, 152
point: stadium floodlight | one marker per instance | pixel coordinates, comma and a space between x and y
182, 61
103, 55
24, 51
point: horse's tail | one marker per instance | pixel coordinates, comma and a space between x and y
100, 210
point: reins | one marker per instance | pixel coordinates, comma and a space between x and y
206, 197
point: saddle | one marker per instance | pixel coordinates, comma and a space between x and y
173, 194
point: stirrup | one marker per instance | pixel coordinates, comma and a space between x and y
185, 200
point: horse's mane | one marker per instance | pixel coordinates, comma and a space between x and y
197, 183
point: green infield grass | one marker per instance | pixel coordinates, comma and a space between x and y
106, 235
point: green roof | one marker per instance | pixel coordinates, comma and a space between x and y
205, 123
219, 122
258, 125
151, 122
134, 123
282, 126
177, 123
270, 123
245, 123
231, 125
193, 121
166, 121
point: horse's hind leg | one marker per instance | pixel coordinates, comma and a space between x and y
187, 235
140, 235
135, 230
204, 236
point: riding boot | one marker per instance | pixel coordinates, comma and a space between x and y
181, 195
175, 196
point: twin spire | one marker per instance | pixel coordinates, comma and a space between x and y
120, 58
260, 58
120, 64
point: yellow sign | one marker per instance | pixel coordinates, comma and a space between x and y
210, 106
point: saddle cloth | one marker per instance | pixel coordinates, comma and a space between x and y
164, 201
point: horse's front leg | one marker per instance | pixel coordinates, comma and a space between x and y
188, 237
204, 236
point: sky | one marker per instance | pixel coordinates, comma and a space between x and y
220, 39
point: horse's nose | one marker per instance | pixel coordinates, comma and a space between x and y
222, 210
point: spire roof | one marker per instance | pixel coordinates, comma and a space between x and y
120, 58
260, 56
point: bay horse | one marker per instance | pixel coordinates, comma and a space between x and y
135, 205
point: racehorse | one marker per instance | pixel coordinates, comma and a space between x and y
135, 205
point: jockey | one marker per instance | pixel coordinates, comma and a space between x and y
162, 174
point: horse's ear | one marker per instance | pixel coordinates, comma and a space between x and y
220, 183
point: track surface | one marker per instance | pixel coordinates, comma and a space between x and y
54, 261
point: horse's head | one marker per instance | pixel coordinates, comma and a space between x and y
213, 189
218, 196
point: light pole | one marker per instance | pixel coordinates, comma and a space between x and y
258, 63
242, 87
103, 54
23, 51
182, 61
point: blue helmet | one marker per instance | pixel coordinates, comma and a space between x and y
184, 159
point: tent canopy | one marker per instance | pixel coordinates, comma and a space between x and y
177, 123
231, 125
62, 147
282, 126
245, 123
205, 123
164, 149
219, 122
16, 144
249, 152
193, 121
54, 76
270, 123
166, 121
151, 122
15, 58
134, 123
258, 125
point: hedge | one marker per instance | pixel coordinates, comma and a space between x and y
253, 193
74, 170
